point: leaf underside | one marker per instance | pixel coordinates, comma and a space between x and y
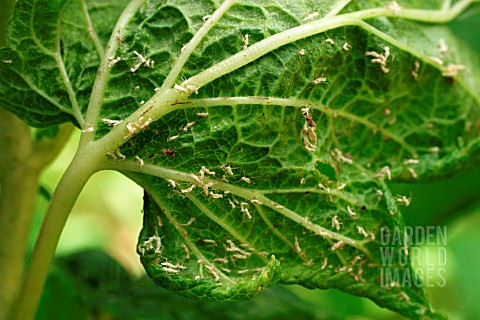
276, 171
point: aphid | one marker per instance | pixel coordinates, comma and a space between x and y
216, 195
189, 189
180, 88
196, 178
206, 17
189, 222
309, 263
247, 180
172, 183
192, 88
246, 40
111, 122
210, 241
413, 173
140, 161
385, 171
228, 169
168, 152
351, 212
380, 58
222, 260
188, 126
213, 273
362, 231
114, 157
172, 138
404, 296
324, 264
207, 171
7, 61
336, 223
142, 102
394, 7
346, 46
434, 150
232, 204
411, 161
319, 80
338, 245
159, 221
166, 269
311, 16
202, 114
437, 60
112, 61
119, 154
442, 46
416, 68
341, 187
88, 130
239, 256
403, 200
452, 70
297, 246
196, 278
301, 52
330, 41
243, 271
340, 157
255, 201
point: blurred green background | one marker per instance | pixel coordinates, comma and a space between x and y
107, 218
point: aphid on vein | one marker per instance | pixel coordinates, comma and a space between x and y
395, 7
255, 201
216, 195
311, 16
206, 17
111, 122
338, 245
180, 88
114, 157
189, 189
88, 130
385, 171
172, 183
140, 161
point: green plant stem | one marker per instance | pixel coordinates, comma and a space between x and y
17, 203
82, 167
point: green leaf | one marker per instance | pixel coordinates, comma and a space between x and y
263, 133
54, 48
